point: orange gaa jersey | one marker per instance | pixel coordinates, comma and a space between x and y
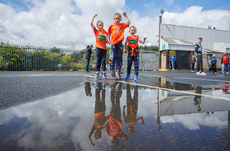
114, 127
132, 115
100, 38
100, 119
116, 32
132, 41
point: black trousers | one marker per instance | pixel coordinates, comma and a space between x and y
199, 63
193, 65
132, 59
213, 68
101, 59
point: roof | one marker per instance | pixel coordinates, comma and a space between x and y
225, 45
197, 27
212, 51
173, 41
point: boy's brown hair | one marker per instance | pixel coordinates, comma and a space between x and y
117, 14
132, 27
99, 21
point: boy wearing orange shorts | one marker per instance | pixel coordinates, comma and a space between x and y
101, 40
116, 36
133, 52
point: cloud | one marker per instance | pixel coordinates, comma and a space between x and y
195, 16
49, 123
56, 22
65, 23
195, 121
169, 2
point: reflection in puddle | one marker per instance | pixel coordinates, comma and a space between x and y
107, 116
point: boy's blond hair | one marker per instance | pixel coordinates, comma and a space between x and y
117, 14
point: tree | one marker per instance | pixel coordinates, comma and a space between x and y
76, 56
2, 64
66, 61
54, 58
55, 50
149, 48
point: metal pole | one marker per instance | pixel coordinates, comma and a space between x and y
159, 53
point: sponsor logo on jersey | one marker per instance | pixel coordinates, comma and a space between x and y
101, 37
132, 42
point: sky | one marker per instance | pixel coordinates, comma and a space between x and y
66, 23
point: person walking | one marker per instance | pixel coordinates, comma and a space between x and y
88, 56
193, 61
225, 63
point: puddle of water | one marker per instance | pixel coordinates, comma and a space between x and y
216, 89
115, 116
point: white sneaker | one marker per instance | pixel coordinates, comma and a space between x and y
198, 73
203, 74
192, 71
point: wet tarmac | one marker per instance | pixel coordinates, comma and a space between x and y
157, 113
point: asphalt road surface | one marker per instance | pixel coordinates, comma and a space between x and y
21, 87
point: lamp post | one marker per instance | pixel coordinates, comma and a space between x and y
160, 21
159, 82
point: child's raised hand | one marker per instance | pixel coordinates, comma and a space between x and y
124, 13
145, 38
95, 15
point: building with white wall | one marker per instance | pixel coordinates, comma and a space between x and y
180, 40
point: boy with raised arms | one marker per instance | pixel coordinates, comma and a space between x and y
116, 36
101, 51
133, 52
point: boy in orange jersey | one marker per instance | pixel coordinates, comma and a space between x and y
133, 52
132, 106
101, 40
100, 118
116, 35
114, 128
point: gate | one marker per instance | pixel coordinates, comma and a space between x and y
182, 60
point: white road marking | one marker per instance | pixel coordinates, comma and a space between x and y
185, 78
39, 75
166, 89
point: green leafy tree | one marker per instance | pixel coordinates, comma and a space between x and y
2, 64
66, 61
55, 50
55, 58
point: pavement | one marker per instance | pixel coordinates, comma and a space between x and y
21, 87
